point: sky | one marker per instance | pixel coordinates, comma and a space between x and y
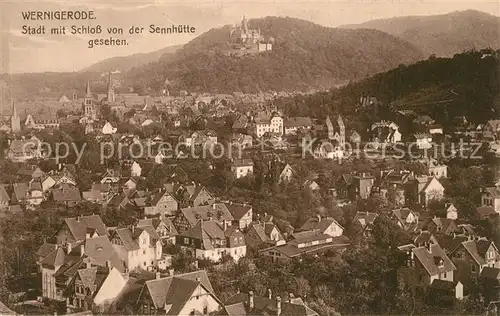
67, 53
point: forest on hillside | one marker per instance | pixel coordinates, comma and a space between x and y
305, 56
443, 88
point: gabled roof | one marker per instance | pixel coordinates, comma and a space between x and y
205, 231
4, 196
78, 226
66, 193
429, 181
4, 310
321, 225
261, 231
45, 249
478, 248
493, 191
238, 210
485, 211
237, 306
159, 195
428, 258
365, 218
100, 251
20, 190
491, 273
177, 290
54, 259
217, 211
450, 243
88, 276
155, 223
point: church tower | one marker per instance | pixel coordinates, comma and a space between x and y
111, 90
244, 25
15, 121
89, 109
340, 122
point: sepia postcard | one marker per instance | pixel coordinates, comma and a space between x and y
272, 158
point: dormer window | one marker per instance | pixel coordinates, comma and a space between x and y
441, 263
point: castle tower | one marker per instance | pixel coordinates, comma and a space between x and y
89, 109
111, 90
340, 122
15, 121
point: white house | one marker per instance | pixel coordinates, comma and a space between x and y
135, 169
209, 240
137, 247
242, 167
323, 225
491, 197
423, 140
451, 211
111, 287
328, 150
108, 129
265, 124
182, 294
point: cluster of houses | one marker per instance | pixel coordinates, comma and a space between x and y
88, 265
35, 186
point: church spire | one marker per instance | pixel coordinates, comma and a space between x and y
110, 85
15, 121
14, 110
88, 94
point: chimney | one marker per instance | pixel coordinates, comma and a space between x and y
319, 217
108, 264
290, 297
224, 225
250, 300
428, 246
69, 248
82, 249
158, 275
278, 306
213, 206
270, 293
171, 272
78, 218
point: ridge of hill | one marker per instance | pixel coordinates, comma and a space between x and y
305, 56
443, 35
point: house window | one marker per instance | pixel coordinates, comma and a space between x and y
205, 310
186, 241
473, 268
192, 313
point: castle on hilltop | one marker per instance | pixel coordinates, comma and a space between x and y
244, 40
